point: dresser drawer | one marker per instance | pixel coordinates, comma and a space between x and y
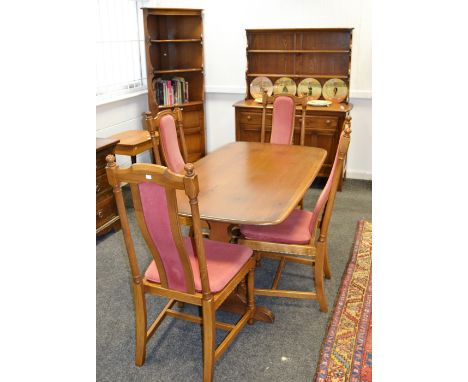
102, 184
105, 210
254, 118
318, 122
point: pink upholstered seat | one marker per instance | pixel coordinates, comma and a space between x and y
294, 230
282, 126
223, 261
170, 144
298, 226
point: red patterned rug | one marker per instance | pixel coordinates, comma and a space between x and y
346, 353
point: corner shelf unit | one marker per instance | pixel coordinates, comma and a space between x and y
174, 48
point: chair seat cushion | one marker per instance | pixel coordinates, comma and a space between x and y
294, 230
223, 261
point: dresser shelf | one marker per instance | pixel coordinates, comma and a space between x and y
296, 51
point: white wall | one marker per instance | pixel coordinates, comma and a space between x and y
225, 65
115, 117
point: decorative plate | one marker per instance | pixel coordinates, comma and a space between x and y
259, 85
319, 102
309, 87
284, 85
335, 90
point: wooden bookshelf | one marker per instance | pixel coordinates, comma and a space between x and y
320, 53
174, 48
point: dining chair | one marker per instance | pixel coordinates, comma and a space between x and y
192, 270
164, 125
167, 123
302, 238
283, 115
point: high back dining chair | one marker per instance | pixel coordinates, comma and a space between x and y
302, 237
191, 270
282, 122
282, 119
166, 123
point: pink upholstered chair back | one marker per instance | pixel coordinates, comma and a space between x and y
170, 144
154, 199
282, 127
332, 182
283, 116
156, 218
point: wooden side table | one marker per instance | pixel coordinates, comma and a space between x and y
134, 142
107, 217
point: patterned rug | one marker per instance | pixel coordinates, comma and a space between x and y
346, 353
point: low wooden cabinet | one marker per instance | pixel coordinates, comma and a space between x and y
322, 127
107, 217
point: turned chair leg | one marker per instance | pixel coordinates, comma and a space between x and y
326, 267
140, 324
301, 204
318, 270
251, 296
209, 339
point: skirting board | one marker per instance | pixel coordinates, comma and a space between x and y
356, 174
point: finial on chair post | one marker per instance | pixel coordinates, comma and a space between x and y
265, 97
189, 167
347, 126
110, 159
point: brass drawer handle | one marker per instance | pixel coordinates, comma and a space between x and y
327, 121
100, 214
249, 118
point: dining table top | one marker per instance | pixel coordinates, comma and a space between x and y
252, 182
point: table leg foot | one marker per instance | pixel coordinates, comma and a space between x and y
236, 303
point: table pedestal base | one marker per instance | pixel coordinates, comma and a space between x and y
237, 301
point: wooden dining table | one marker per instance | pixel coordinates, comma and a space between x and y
251, 183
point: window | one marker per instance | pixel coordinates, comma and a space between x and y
120, 50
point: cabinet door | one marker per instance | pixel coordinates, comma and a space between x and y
320, 131
194, 132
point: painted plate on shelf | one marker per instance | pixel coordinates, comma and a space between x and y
309, 87
284, 85
319, 102
335, 90
259, 85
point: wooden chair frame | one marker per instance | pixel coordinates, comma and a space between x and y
298, 101
208, 301
152, 125
315, 253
